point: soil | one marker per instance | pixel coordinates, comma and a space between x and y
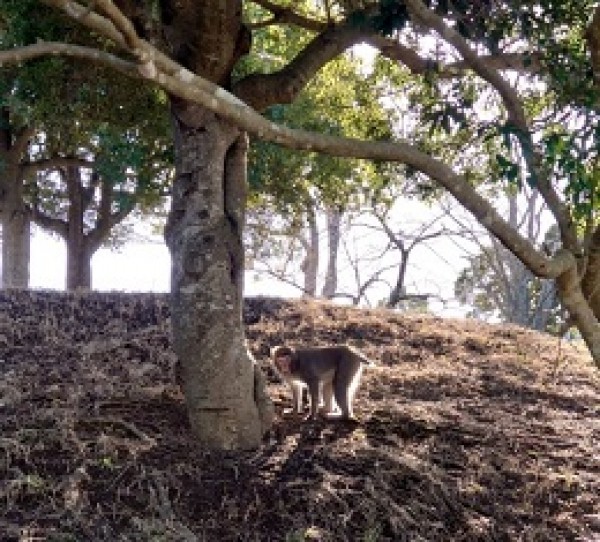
468, 431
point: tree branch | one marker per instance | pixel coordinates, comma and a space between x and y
514, 108
283, 15
262, 90
186, 85
48, 223
28, 52
54, 163
393, 50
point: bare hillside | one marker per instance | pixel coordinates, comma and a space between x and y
468, 432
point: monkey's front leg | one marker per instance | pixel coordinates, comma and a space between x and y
314, 390
297, 396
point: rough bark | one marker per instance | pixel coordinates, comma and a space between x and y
16, 227
15, 233
569, 290
225, 396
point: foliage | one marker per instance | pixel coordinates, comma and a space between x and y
82, 110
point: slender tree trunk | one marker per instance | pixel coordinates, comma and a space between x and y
310, 265
224, 390
334, 219
400, 287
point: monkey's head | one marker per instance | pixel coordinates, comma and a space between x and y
282, 357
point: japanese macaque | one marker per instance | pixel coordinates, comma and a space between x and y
329, 372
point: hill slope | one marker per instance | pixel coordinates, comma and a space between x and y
469, 432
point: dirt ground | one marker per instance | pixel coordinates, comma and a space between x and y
469, 432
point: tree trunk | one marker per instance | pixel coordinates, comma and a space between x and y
16, 227
16, 231
224, 390
399, 289
310, 265
79, 274
570, 293
79, 266
334, 219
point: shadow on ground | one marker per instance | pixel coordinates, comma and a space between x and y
468, 432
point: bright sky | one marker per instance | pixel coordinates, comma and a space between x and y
145, 266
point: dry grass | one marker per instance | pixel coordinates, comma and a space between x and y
469, 432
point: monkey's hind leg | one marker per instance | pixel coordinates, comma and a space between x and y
329, 404
345, 387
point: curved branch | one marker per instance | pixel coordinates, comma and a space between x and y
120, 21
29, 52
393, 50
50, 224
84, 15
516, 112
191, 87
509, 96
262, 90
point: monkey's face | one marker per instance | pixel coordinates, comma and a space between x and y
283, 362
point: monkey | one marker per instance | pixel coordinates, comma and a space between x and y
328, 372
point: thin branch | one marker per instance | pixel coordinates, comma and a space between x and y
49, 223
120, 21
282, 277
86, 16
30, 168
29, 52
418, 65
509, 95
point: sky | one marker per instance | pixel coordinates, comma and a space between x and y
144, 266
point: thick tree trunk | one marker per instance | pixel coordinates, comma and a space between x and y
16, 230
79, 265
226, 400
16, 226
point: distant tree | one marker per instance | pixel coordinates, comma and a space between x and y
83, 200
495, 283
377, 247
54, 112
288, 248
307, 190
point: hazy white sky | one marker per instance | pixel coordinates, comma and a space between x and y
145, 266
